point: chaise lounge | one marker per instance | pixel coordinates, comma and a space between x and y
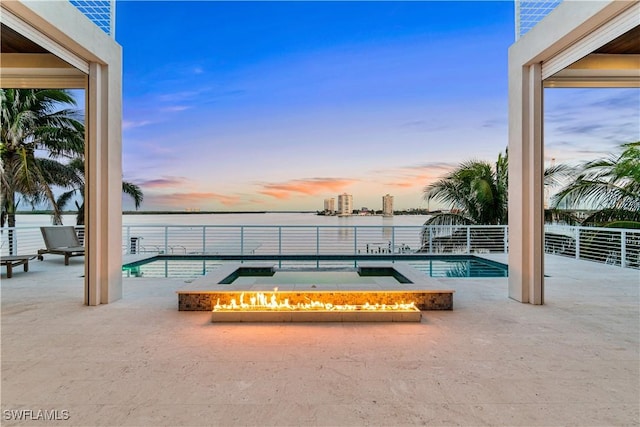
61, 240
11, 261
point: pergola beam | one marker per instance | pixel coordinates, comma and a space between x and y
599, 70
39, 70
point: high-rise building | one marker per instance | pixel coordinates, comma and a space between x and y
345, 204
329, 205
387, 205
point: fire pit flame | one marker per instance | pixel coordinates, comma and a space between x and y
262, 301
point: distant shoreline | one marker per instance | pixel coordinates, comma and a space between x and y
206, 212
167, 212
44, 212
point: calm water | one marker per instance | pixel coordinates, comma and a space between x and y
314, 278
430, 265
239, 219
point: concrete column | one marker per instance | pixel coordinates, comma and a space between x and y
103, 261
526, 189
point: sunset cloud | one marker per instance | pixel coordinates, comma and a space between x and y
164, 182
308, 187
416, 175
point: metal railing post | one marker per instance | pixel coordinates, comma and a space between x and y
355, 245
577, 242
204, 239
430, 239
393, 240
623, 248
317, 246
242, 242
506, 238
166, 239
468, 239
279, 246
127, 240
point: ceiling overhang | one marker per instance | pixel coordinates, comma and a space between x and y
28, 59
39, 70
599, 70
609, 57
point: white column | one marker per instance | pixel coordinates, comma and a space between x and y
103, 193
526, 190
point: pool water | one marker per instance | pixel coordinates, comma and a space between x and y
317, 278
474, 267
434, 266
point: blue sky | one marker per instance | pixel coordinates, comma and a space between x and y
279, 105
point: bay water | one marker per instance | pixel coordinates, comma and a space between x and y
268, 218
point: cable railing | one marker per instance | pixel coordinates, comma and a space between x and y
615, 246
620, 247
272, 239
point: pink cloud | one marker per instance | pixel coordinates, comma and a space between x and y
418, 176
309, 187
164, 182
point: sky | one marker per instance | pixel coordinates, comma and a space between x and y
242, 106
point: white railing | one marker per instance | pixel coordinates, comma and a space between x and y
313, 240
615, 246
272, 239
619, 247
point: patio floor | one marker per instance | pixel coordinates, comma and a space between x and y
490, 361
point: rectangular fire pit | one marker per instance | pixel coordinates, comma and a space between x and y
260, 292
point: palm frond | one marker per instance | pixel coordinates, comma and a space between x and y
134, 192
449, 219
65, 198
608, 215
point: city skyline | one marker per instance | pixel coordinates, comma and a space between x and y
329, 205
227, 110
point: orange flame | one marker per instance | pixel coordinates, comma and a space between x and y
261, 301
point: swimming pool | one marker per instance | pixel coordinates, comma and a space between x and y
192, 266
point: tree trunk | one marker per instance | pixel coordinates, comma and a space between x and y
11, 223
10, 215
80, 214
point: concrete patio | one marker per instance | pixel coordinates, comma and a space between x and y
490, 361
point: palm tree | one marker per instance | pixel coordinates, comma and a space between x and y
32, 121
611, 185
476, 192
78, 181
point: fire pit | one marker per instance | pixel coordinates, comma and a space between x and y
259, 292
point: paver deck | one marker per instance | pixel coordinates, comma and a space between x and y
490, 361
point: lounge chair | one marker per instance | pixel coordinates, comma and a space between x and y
11, 261
61, 240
